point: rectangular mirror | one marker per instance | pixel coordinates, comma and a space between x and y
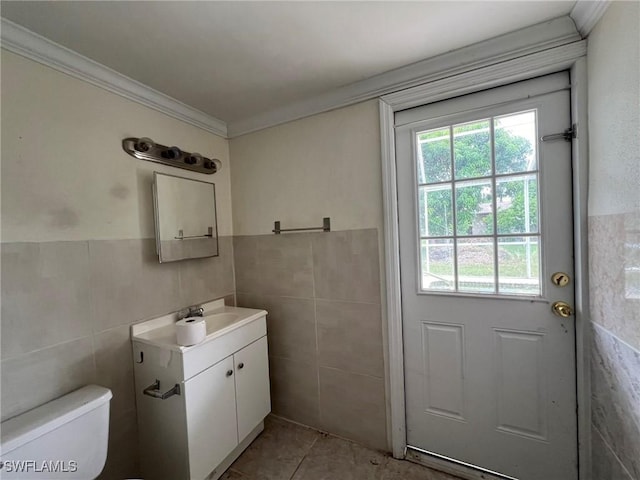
185, 215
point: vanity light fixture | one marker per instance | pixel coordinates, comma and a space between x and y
193, 159
171, 153
144, 144
144, 148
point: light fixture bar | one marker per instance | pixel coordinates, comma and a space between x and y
146, 149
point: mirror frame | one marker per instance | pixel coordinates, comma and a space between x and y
157, 213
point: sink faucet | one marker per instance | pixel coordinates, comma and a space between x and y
192, 311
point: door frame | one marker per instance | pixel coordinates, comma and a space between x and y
571, 57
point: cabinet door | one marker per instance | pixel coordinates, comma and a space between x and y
252, 386
211, 417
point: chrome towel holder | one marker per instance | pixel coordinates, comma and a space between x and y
326, 227
154, 391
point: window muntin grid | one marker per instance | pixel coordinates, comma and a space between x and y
478, 206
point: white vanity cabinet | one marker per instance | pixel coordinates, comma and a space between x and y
218, 397
224, 404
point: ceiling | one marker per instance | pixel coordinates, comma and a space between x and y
235, 60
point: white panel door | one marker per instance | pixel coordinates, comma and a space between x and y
210, 403
252, 386
485, 218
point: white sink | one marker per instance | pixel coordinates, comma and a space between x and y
221, 319
218, 321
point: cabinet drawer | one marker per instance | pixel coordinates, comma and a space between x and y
210, 353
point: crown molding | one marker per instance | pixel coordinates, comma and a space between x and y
586, 13
26, 43
537, 64
527, 41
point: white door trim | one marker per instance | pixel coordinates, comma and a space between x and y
568, 57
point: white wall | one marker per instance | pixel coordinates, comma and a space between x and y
64, 173
78, 264
614, 241
614, 113
327, 165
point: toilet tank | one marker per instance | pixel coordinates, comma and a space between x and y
66, 438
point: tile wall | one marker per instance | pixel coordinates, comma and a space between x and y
66, 312
322, 292
614, 243
613, 62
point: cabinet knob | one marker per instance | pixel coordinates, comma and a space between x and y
241, 365
229, 373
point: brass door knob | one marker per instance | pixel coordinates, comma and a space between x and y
562, 309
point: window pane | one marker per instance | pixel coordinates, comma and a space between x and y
434, 156
519, 265
490, 187
437, 265
472, 149
515, 142
517, 201
435, 211
474, 208
476, 265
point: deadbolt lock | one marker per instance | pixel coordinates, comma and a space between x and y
560, 279
562, 309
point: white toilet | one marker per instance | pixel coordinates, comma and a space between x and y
66, 438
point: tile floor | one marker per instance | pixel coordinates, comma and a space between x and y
286, 451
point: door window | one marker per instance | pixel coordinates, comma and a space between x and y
478, 206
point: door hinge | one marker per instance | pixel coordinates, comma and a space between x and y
568, 135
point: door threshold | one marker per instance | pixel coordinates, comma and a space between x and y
452, 466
